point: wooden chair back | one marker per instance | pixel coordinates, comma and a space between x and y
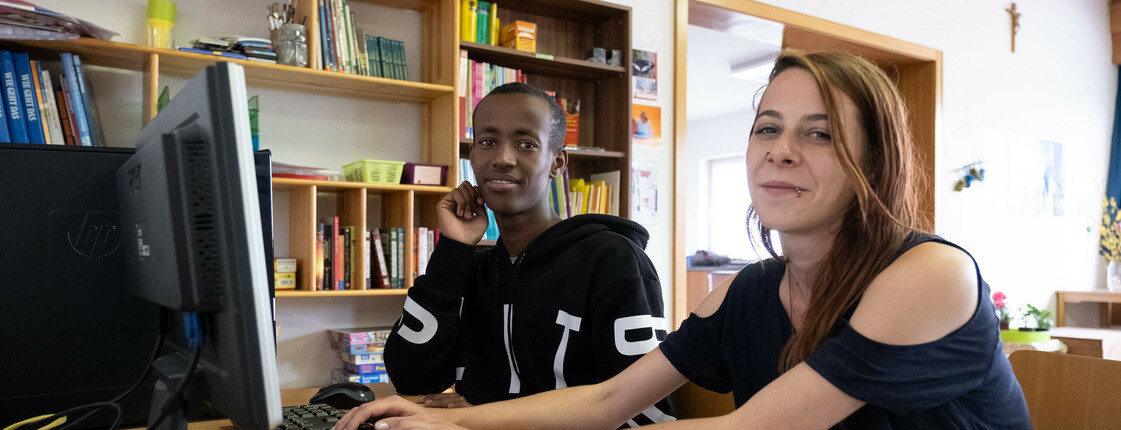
1069, 392
692, 401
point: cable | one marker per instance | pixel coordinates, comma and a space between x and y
60, 418
172, 402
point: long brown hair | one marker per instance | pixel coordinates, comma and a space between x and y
885, 182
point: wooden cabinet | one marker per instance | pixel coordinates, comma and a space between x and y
566, 31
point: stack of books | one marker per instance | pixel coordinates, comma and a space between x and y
477, 79
361, 352
35, 111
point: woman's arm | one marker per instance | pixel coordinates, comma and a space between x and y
606, 405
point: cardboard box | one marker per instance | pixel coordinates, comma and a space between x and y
285, 281
519, 35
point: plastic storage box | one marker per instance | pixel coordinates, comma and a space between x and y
374, 171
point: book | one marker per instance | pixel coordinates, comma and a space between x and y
359, 335
422, 250
63, 117
360, 349
400, 257
89, 108
353, 241
44, 97
492, 25
328, 258
285, 281
344, 232
373, 56
482, 29
379, 253
17, 125
74, 102
364, 369
468, 20
341, 375
226, 54
364, 358
611, 199
324, 42
284, 265
295, 176
319, 266
336, 255
394, 269
26, 87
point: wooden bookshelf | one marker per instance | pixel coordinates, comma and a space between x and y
566, 31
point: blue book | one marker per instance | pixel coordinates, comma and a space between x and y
212, 52
28, 100
88, 107
323, 36
5, 135
17, 125
82, 136
330, 44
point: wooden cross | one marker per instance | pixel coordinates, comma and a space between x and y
1015, 24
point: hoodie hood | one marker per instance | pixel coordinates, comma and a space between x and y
580, 227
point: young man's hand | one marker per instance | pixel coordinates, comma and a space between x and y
461, 214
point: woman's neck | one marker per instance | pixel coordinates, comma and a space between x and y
803, 252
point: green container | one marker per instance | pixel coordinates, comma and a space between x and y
1025, 336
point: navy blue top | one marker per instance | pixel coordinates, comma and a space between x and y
962, 380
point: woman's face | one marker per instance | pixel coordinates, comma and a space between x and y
796, 180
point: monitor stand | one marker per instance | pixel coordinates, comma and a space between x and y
170, 371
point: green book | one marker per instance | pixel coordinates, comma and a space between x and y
482, 28
373, 56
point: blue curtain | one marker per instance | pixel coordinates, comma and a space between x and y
1113, 184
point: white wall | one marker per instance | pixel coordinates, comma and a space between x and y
1059, 86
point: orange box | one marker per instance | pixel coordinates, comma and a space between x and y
519, 35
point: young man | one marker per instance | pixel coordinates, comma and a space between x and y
554, 303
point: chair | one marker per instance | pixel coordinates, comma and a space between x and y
1068, 391
692, 401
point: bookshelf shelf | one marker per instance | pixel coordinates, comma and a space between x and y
290, 183
342, 293
186, 64
531, 63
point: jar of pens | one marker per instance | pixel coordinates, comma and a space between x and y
289, 39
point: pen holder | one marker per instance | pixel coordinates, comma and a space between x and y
290, 43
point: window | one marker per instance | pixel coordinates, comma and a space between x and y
726, 211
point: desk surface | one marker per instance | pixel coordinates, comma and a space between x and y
295, 397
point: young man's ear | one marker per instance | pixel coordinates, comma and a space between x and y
560, 162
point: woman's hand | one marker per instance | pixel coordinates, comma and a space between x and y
444, 400
461, 214
389, 413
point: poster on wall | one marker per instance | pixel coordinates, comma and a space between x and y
644, 192
645, 74
646, 125
1038, 165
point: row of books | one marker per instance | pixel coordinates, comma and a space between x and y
569, 198
35, 111
337, 256
466, 173
346, 48
479, 22
361, 351
477, 79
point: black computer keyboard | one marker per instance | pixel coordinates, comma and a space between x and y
316, 416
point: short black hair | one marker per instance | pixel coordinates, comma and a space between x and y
556, 113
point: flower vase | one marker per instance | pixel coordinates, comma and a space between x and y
1113, 276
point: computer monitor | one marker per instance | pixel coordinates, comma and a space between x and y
192, 242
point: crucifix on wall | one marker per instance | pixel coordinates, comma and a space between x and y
1015, 24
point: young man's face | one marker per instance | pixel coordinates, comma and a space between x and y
511, 156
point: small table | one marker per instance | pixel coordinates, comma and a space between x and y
1102, 297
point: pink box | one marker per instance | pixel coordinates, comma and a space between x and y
424, 174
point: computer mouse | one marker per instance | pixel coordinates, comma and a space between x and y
344, 395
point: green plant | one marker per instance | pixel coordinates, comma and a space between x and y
1042, 317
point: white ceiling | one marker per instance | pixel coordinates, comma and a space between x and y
711, 90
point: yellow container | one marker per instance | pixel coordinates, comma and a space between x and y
374, 171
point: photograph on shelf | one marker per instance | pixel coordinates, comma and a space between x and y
646, 125
645, 74
644, 192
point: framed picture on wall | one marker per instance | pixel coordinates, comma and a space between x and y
644, 70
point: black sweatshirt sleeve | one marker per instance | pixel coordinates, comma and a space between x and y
420, 352
630, 322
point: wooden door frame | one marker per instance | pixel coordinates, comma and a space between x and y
917, 70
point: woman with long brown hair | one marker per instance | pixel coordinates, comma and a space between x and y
863, 321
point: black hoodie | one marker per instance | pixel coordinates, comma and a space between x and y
580, 304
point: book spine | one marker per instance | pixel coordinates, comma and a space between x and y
348, 256
422, 250
78, 109
363, 57
5, 133
63, 115
319, 266
393, 273
337, 254
404, 65
324, 42
26, 86
482, 29
367, 244
400, 257
348, 35
492, 25
373, 58
468, 20
379, 252
17, 124
88, 107
46, 110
